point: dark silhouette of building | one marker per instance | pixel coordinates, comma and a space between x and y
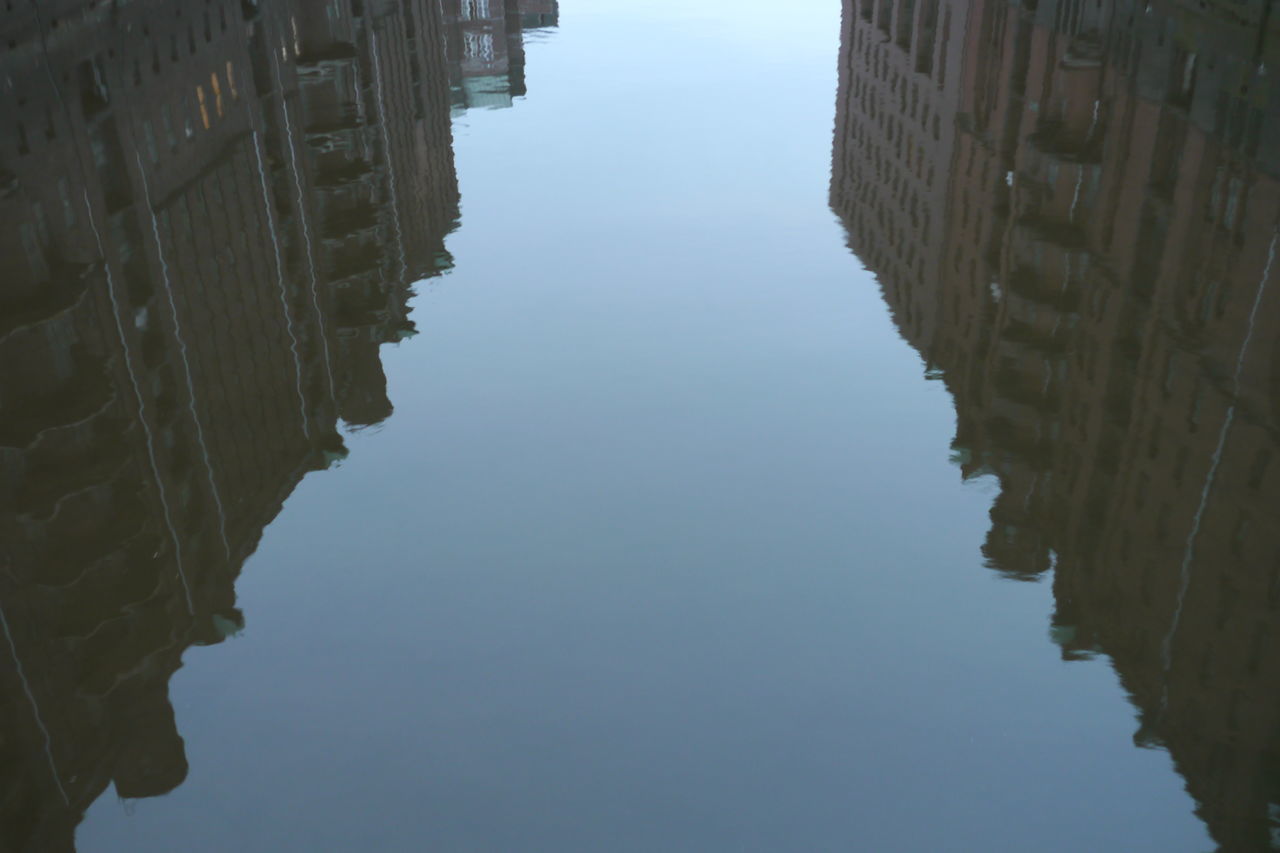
213, 217
1073, 211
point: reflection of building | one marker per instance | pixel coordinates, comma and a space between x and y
486, 48
536, 14
899, 83
1095, 279
210, 230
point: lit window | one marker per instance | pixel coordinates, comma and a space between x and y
204, 112
217, 93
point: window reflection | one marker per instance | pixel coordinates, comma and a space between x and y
1093, 276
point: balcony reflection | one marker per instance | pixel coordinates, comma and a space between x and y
1073, 212
214, 214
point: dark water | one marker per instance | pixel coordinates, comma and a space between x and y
491, 389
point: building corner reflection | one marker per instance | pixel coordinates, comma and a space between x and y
1072, 211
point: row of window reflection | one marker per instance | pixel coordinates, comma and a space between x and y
877, 66
911, 23
900, 273
209, 104
900, 190
95, 95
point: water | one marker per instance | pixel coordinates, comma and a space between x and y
664, 521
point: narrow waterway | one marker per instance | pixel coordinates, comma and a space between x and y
665, 521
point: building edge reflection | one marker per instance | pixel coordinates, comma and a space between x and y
1072, 212
214, 218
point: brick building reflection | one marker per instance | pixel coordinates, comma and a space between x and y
213, 215
1072, 209
486, 48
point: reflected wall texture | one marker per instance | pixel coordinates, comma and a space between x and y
1073, 209
486, 48
212, 216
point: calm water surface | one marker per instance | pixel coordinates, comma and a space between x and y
732, 485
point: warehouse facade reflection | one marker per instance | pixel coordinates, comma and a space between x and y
214, 217
1073, 211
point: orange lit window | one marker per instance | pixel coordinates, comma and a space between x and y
204, 112
217, 93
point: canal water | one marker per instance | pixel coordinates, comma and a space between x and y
505, 426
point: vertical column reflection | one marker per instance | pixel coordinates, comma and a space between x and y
1071, 209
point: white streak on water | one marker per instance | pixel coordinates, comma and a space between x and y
306, 228
362, 112
142, 413
284, 302
386, 151
1188, 554
1075, 200
186, 364
1057, 323
1093, 125
35, 708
